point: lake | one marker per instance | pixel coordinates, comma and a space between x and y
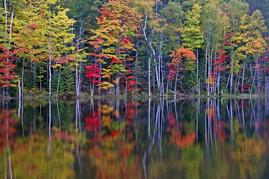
204, 138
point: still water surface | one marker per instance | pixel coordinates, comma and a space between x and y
126, 139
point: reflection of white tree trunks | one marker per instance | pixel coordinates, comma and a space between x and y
231, 121
58, 113
50, 122
197, 117
58, 83
149, 77
267, 105
78, 115
22, 115
10, 165
243, 117
149, 117
266, 86
78, 119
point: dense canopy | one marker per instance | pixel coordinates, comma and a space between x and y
136, 47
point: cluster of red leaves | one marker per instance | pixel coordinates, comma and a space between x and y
177, 64
64, 60
227, 39
97, 43
219, 62
7, 67
93, 73
32, 26
93, 122
7, 129
131, 81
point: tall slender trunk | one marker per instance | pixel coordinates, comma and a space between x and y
6, 18
253, 82
231, 72
77, 70
10, 29
175, 87
243, 77
58, 83
50, 73
197, 72
149, 77
22, 79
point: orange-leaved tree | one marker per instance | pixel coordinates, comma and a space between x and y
183, 60
113, 42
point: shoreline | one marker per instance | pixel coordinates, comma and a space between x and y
135, 97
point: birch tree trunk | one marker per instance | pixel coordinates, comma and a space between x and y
58, 83
77, 70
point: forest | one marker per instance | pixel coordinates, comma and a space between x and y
162, 48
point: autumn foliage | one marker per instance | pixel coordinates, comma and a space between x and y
113, 43
180, 58
7, 129
7, 74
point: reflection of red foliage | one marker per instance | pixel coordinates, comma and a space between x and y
62, 135
92, 122
171, 120
131, 111
7, 129
211, 113
245, 88
219, 130
219, 126
177, 132
245, 104
180, 140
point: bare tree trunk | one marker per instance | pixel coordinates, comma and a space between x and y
22, 80
232, 73
243, 77
197, 72
10, 29
58, 83
149, 78
175, 87
77, 70
50, 73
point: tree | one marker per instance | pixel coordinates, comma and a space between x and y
93, 73
192, 35
43, 33
213, 30
248, 42
182, 60
7, 75
112, 42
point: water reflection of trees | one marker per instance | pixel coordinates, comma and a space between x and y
209, 138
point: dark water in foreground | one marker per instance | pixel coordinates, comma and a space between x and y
124, 139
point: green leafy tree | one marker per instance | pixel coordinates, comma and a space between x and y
192, 35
